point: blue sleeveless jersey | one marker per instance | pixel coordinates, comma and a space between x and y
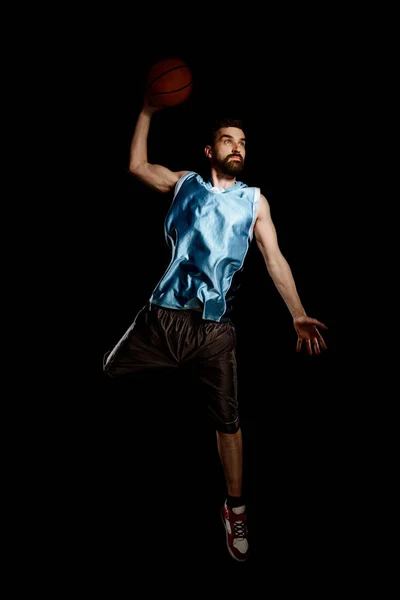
209, 231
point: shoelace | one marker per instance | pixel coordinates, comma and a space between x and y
239, 528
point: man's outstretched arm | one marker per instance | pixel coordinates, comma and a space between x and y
281, 274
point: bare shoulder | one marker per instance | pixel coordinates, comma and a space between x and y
174, 178
263, 211
157, 177
180, 174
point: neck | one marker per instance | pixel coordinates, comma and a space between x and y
220, 180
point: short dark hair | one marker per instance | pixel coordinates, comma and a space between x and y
218, 123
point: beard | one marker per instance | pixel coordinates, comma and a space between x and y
227, 166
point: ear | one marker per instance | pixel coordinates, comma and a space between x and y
208, 151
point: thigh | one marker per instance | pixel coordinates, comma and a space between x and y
140, 349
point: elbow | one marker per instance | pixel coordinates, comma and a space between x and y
135, 168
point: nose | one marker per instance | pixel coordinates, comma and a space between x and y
236, 149
236, 152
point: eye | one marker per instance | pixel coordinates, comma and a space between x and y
227, 142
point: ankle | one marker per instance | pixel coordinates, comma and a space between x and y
234, 501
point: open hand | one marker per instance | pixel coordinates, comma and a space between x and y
306, 329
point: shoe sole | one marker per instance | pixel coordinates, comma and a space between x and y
227, 540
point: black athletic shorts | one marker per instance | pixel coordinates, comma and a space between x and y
161, 338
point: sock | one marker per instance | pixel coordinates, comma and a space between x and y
234, 501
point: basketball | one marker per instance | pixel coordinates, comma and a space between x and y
169, 82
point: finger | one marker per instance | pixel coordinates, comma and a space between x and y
317, 349
321, 340
311, 321
309, 348
316, 322
298, 347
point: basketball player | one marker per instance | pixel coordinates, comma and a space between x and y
187, 320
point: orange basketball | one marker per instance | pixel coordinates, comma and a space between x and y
169, 82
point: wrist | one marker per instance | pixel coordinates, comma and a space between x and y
299, 313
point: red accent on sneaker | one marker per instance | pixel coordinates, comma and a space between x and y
236, 533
